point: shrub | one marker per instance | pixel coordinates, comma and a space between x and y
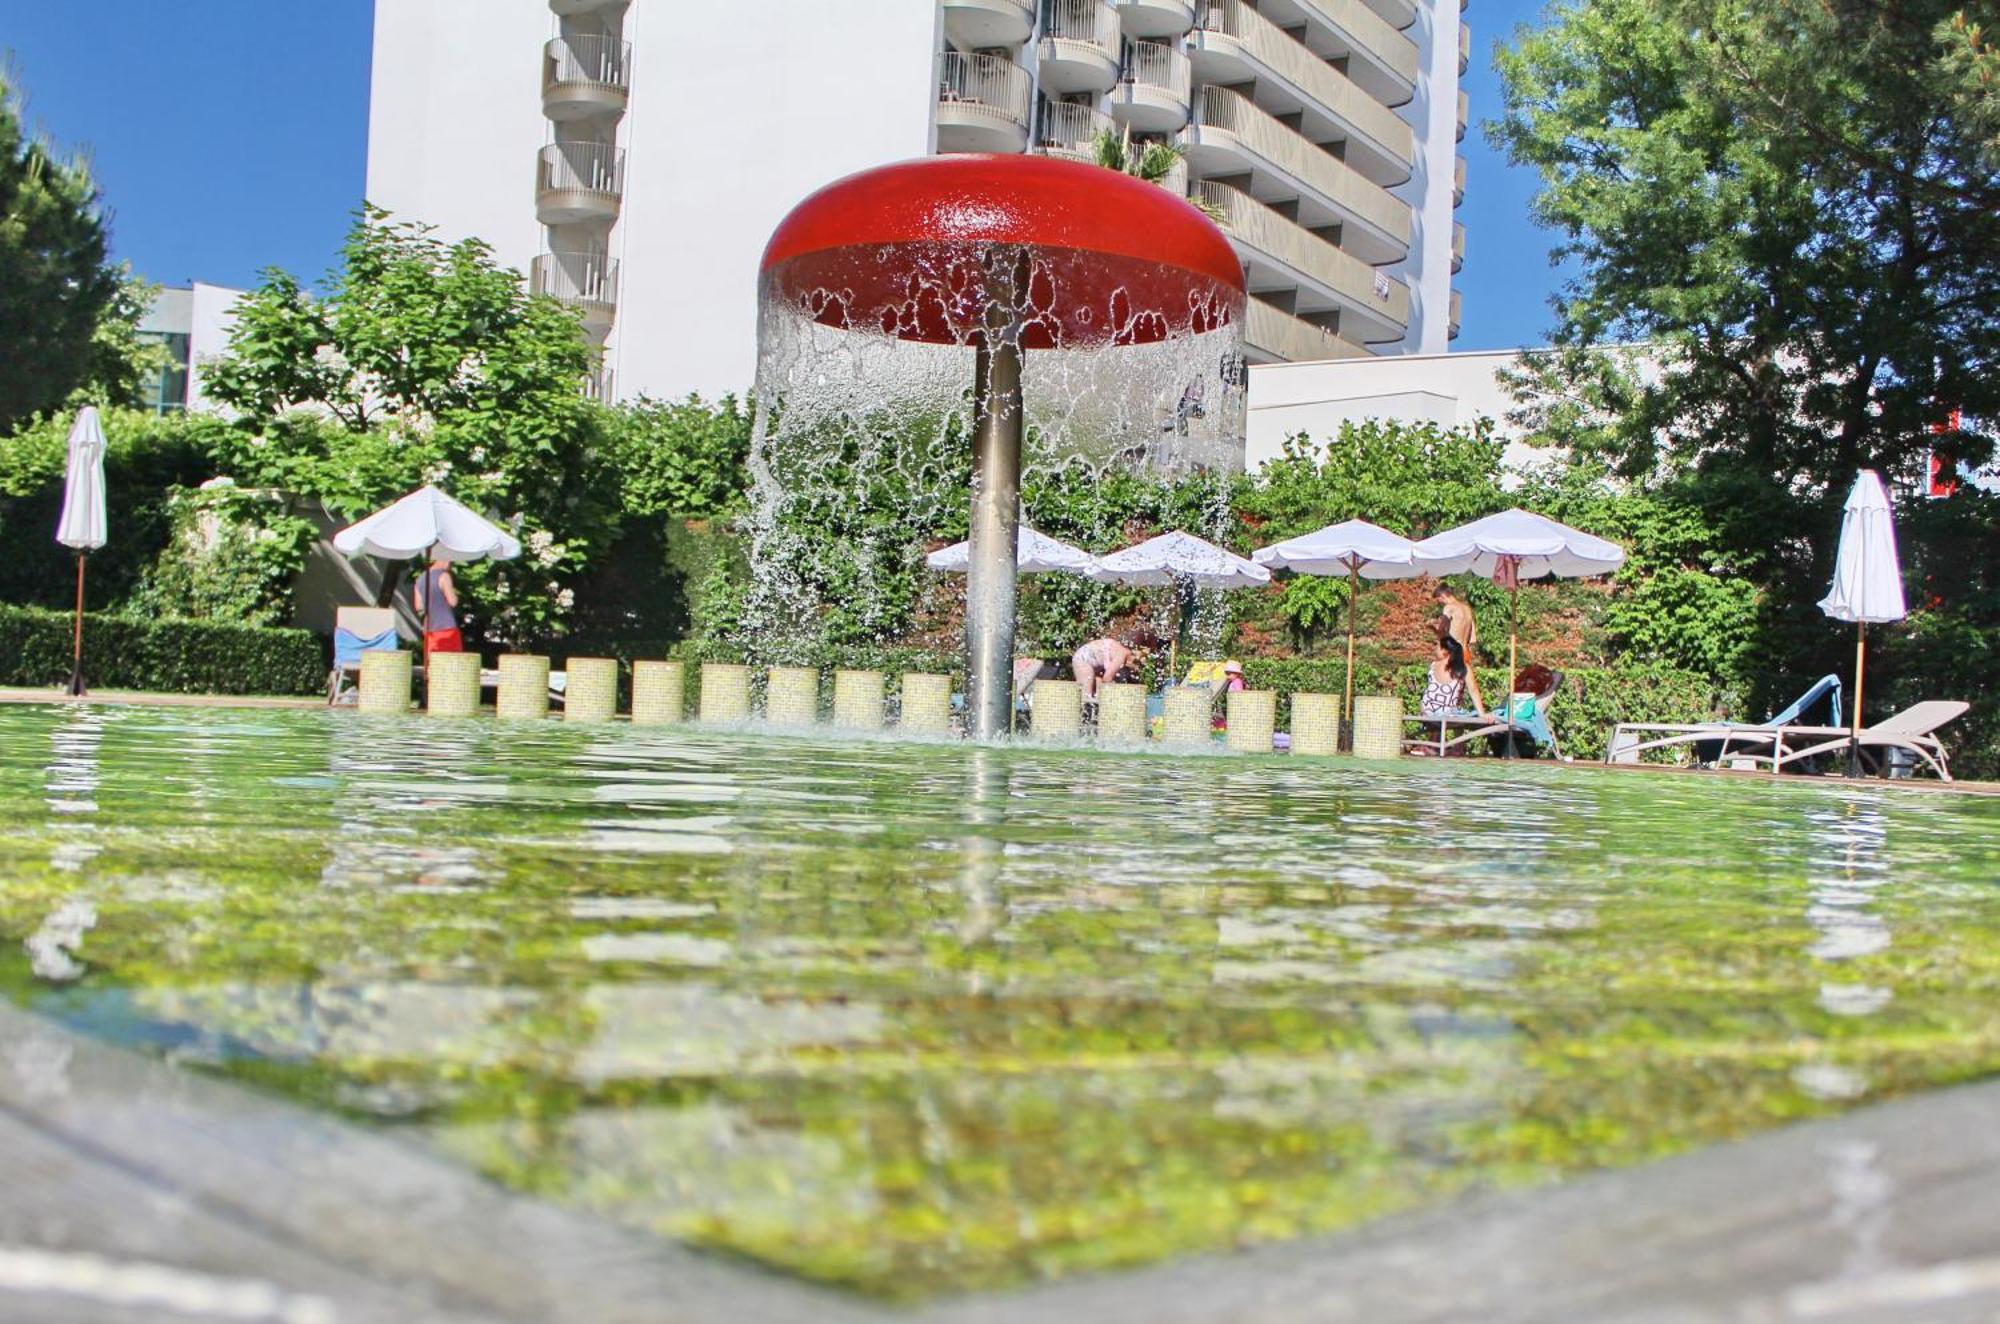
168, 656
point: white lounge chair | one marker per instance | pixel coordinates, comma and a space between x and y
1908, 730
1533, 730
1714, 743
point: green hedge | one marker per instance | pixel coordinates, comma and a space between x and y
167, 656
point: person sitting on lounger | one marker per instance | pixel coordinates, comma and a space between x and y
1444, 688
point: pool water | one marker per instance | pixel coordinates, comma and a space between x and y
923, 1018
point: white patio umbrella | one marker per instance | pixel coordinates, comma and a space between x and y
82, 526
1515, 545
1867, 577
427, 523
1179, 559
1035, 554
1355, 548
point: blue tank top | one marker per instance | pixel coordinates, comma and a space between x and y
440, 616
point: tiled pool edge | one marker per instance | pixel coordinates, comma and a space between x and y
1890, 1213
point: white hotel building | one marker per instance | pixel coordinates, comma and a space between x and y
632, 156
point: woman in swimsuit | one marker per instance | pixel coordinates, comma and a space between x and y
1444, 688
1098, 662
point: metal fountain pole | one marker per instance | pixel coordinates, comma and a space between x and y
997, 421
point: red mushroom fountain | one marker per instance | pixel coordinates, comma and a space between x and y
1002, 254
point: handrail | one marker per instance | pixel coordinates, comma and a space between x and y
1287, 242
991, 82
581, 168
1364, 29
1071, 129
1156, 64
1332, 90
1289, 152
1292, 338
576, 278
601, 61
1092, 22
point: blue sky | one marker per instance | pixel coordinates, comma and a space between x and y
231, 135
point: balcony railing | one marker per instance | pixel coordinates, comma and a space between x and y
1158, 65
1156, 18
1464, 110
1283, 336
988, 87
1091, 23
1464, 47
584, 76
1457, 245
1369, 292
1458, 181
1371, 36
1071, 131
594, 172
1291, 62
989, 24
1454, 314
1311, 168
582, 280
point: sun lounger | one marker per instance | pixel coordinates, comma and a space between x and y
1909, 730
1457, 731
1719, 742
358, 630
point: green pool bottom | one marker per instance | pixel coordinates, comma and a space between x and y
923, 1019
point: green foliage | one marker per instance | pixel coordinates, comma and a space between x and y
431, 365
146, 457
1415, 479
67, 311
161, 655
1313, 605
685, 458
233, 556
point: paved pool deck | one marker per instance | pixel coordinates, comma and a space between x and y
138, 1191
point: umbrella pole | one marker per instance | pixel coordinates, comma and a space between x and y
76, 657
1513, 659
1860, 673
1353, 599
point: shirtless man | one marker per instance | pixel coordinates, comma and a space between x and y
1455, 621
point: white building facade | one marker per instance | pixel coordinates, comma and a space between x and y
192, 324
632, 156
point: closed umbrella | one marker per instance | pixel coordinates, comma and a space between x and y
1867, 578
82, 526
1357, 549
1182, 560
427, 523
1515, 545
1035, 554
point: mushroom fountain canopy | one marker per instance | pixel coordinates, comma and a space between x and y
903, 250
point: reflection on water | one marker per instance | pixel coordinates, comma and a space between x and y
919, 1018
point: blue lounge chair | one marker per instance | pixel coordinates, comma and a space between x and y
1714, 742
358, 630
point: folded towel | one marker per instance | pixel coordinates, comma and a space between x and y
348, 646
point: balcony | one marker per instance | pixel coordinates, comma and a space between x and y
1454, 315
1155, 18
1464, 48
1232, 136
1457, 246
587, 282
1273, 335
1071, 131
583, 77
1236, 44
571, 8
577, 182
1153, 96
1464, 109
1457, 181
983, 103
1079, 48
1377, 57
983, 24
1279, 254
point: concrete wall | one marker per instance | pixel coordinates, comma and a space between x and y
455, 118
1316, 398
211, 318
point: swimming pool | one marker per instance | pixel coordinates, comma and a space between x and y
926, 1018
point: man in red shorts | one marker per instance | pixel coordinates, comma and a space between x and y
436, 598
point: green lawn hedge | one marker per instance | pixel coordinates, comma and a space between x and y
167, 656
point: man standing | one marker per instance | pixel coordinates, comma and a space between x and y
435, 596
1455, 621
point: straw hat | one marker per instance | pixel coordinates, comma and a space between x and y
1232, 668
